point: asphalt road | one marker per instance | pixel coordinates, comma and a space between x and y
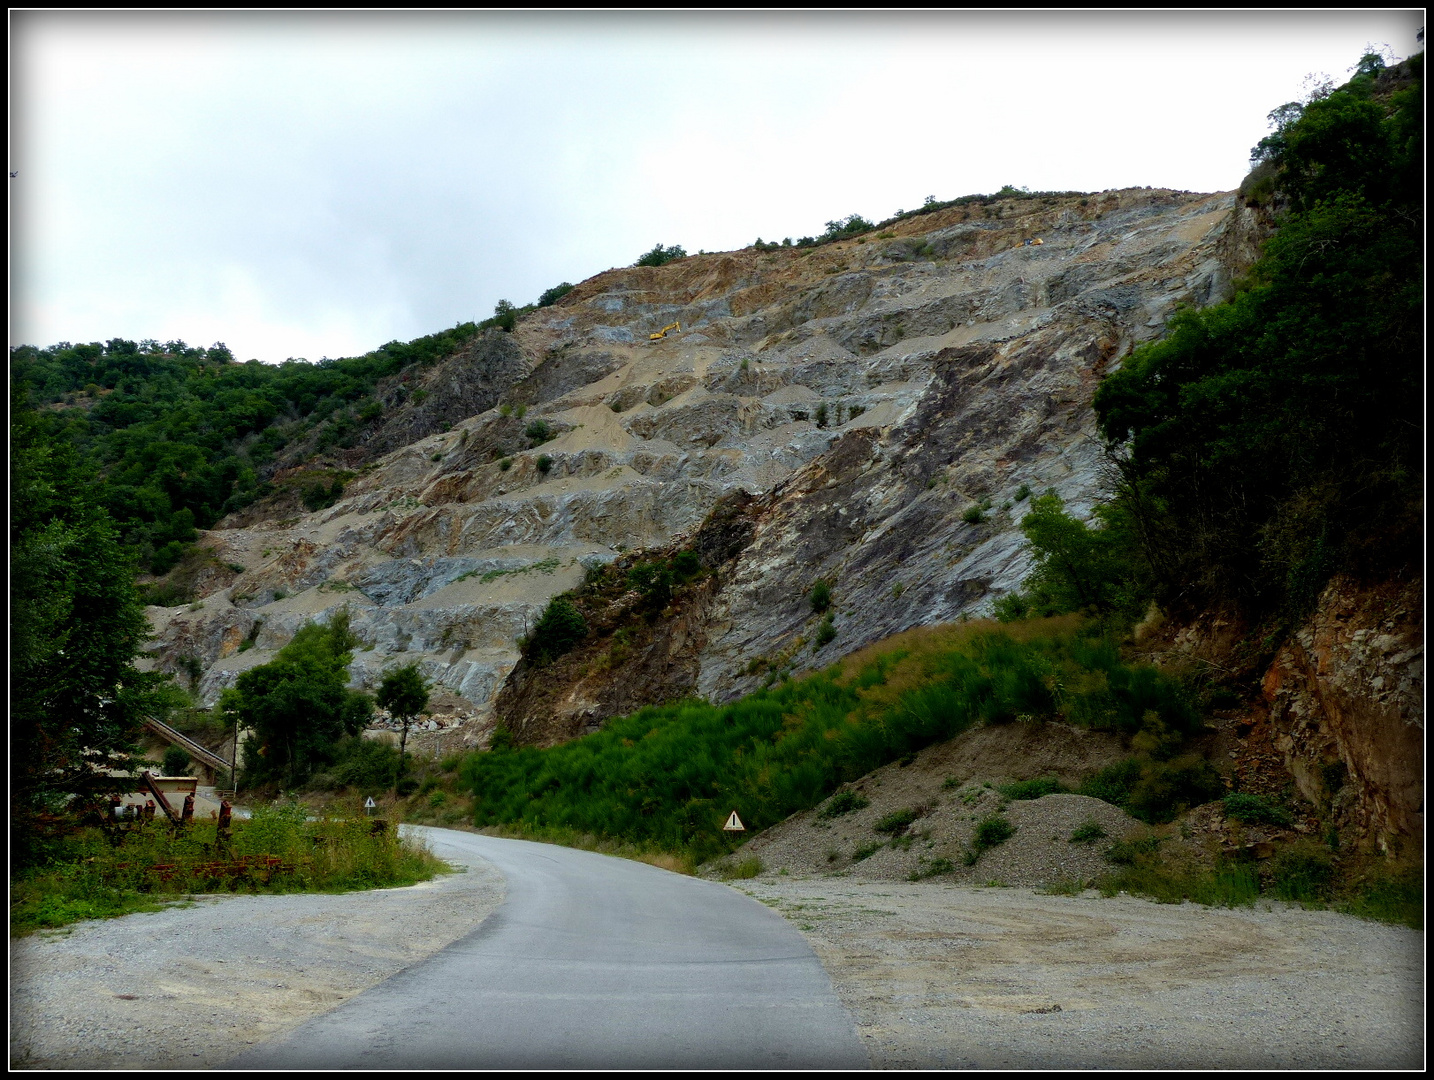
592, 962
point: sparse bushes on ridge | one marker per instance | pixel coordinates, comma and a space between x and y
661, 256
556, 293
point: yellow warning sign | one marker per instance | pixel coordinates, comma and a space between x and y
734, 824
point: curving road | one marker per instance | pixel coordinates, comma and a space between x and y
592, 962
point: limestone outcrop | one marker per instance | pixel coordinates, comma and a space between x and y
870, 412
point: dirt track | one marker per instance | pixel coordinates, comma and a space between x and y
943, 977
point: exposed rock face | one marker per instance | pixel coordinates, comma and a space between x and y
846, 409
1346, 701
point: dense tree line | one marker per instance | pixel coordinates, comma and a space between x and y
182, 435
1271, 441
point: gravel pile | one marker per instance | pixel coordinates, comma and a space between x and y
938, 976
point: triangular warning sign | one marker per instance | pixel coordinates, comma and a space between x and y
369, 804
734, 824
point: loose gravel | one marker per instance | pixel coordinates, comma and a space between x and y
191, 987
941, 976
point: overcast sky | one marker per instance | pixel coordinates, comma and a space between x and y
318, 185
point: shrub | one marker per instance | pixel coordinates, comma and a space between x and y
176, 761
992, 832
538, 432
553, 295
821, 596
505, 464
825, 632
367, 764
686, 565
897, 821
866, 851
560, 629
1023, 492
974, 515
654, 580
1254, 810
544, 464
1302, 871
660, 256
1390, 895
932, 869
1088, 833
1031, 789
822, 415
749, 867
406, 787
843, 802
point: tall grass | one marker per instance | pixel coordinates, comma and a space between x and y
668, 776
98, 873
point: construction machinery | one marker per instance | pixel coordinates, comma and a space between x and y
663, 332
1033, 242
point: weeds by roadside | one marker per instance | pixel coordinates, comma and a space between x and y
105, 872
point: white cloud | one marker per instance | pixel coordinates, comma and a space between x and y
311, 185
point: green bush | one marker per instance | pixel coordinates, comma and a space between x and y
369, 765
743, 869
544, 464
686, 565
973, 515
1392, 895
558, 631
1031, 789
176, 761
821, 596
843, 802
1302, 871
654, 580
1254, 810
661, 256
897, 821
406, 787
993, 831
1088, 833
825, 632
1155, 791
538, 432
505, 464
553, 295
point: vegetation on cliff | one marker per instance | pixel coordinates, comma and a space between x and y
669, 775
1273, 440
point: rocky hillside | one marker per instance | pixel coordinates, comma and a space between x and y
870, 413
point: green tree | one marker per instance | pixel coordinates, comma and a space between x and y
299, 705
404, 693
1077, 567
661, 256
561, 627
1270, 441
76, 626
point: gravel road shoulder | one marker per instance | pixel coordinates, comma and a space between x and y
940, 976
191, 987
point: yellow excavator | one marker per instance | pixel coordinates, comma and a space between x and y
663, 332
1033, 242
